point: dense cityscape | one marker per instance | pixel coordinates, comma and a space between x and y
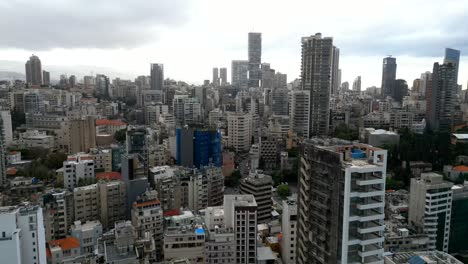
256, 169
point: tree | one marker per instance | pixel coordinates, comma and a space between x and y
233, 180
34, 153
343, 131
55, 160
392, 184
283, 190
121, 135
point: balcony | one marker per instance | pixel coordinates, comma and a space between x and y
368, 215
370, 227
370, 250
369, 179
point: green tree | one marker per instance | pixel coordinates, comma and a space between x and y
233, 180
283, 190
34, 153
345, 132
121, 135
55, 160
392, 184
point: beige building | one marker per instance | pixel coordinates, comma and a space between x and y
102, 159
239, 131
82, 134
104, 201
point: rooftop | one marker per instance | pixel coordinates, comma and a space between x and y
113, 175
421, 257
461, 136
107, 122
65, 243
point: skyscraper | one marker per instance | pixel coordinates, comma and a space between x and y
401, 90
255, 59
2, 154
157, 76
441, 96
215, 77
357, 84
336, 75
453, 56
239, 73
299, 112
316, 71
341, 202
102, 84
223, 75
388, 76
46, 77
198, 147
34, 71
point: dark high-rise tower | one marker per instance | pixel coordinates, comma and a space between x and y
441, 97
223, 76
34, 71
46, 77
157, 76
388, 76
239, 73
336, 75
215, 77
255, 59
453, 56
316, 72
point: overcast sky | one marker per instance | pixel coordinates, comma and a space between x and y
192, 36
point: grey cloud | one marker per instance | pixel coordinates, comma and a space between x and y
43, 25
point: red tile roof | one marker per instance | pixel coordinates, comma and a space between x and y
65, 243
11, 171
107, 122
461, 168
171, 212
109, 175
148, 203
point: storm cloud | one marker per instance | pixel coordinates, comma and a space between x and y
49, 24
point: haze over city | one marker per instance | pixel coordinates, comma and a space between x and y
190, 37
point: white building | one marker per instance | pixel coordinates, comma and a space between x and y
76, 167
289, 229
430, 208
7, 127
34, 138
87, 234
220, 245
240, 214
22, 235
239, 131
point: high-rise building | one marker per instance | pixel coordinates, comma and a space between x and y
3, 152
299, 112
259, 185
458, 238
280, 80
5, 119
453, 56
46, 77
440, 97
289, 231
223, 75
239, 73
279, 101
240, 214
255, 59
268, 76
102, 84
341, 202
357, 84
198, 147
59, 213
215, 78
72, 80
336, 75
82, 132
389, 68
316, 72
239, 131
34, 71
430, 209
401, 90
22, 232
157, 77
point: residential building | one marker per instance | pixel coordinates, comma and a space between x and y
240, 214
86, 203
279, 101
389, 68
223, 76
239, 73
82, 134
259, 185
112, 202
102, 159
59, 213
3, 150
147, 219
336, 72
299, 112
185, 240
341, 202
6, 126
357, 84
440, 97
46, 77
215, 79
34, 139
22, 235
289, 231
255, 59
316, 72
87, 234
77, 167
118, 245
239, 131
220, 243
453, 56
157, 77
34, 71
430, 209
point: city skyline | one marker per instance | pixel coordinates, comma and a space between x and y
416, 44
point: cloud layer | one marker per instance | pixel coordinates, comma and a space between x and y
48, 24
